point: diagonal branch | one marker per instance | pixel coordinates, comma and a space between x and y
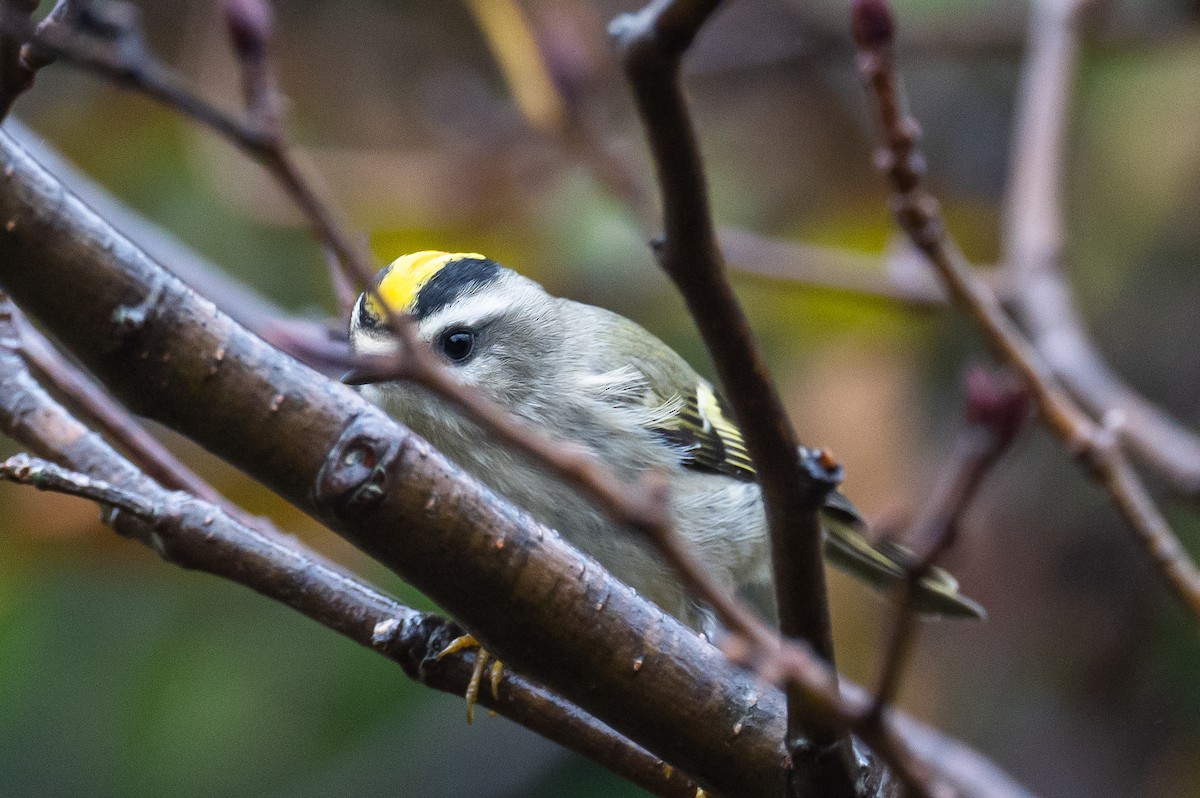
1035, 247
195, 534
995, 413
917, 211
536, 602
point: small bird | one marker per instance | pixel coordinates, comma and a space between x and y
586, 374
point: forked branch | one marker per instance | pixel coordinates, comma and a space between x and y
917, 211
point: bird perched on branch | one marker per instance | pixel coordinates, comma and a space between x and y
585, 374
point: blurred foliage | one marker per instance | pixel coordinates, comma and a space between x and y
120, 675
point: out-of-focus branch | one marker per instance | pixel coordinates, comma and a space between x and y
234, 298
545, 81
653, 42
109, 42
299, 337
898, 276
1035, 247
995, 413
918, 213
194, 533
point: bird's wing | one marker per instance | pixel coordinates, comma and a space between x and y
686, 411
674, 402
706, 435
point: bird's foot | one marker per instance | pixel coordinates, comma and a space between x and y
482, 660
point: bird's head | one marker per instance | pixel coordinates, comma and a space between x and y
497, 329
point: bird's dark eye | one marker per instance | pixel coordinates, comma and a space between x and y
457, 344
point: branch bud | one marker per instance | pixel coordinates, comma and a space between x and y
250, 27
995, 401
872, 23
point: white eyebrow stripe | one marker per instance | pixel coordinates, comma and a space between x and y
470, 311
373, 344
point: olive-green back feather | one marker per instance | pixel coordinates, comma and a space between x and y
709, 440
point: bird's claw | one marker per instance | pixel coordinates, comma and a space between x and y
482, 660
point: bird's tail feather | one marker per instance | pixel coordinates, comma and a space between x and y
883, 564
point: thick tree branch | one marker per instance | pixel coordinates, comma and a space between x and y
195, 534
917, 211
1035, 248
116, 50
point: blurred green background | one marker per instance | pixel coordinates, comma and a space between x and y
124, 676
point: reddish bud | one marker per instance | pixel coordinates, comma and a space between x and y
994, 400
872, 23
250, 25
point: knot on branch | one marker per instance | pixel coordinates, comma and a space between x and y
129, 319
355, 475
824, 473
660, 32
416, 642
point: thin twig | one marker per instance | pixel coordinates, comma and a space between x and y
995, 413
917, 211
1035, 248
413, 639
653, 42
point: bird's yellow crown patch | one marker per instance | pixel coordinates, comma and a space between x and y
403, 279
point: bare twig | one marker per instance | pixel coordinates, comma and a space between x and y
918, 213
653, 42
995, 413
1035, 247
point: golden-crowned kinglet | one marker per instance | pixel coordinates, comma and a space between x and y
586, 374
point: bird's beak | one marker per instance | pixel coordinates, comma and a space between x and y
360, 376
